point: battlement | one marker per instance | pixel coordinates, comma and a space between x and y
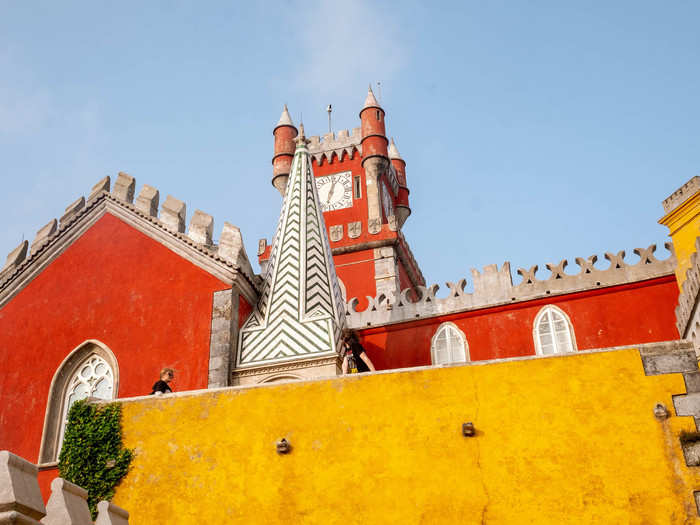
171, 221
344, 141
494, 286
674, 200
687, 312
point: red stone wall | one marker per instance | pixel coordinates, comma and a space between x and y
621, 315
151, 307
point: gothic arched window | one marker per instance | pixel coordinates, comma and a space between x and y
553, 332
449, 345
94, 378
89, 371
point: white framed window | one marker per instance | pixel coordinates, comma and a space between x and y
93, 378
553, 332
449, 345
90, 370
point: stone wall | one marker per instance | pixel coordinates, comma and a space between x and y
591, 437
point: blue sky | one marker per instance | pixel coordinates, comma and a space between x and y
532, 131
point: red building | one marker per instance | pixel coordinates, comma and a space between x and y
114, 291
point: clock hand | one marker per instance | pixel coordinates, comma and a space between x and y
330, 192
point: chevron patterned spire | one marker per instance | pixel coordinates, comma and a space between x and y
300, 313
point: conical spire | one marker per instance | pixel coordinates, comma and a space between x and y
301, 139
285, 118
370, 101
300, 314
394, 151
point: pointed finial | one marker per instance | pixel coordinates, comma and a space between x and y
370, 101
301, 139
394, 151
285, 119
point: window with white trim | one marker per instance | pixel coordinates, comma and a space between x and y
94, 378
449, 345
553, 332
90, 370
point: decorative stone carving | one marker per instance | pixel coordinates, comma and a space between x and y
494, 286
147, 201
67, 505
374, 225
97, 189
15, 257
43, 235
201, 227
681, 194
20, 497
354, 229
687, 312
124, 187
109, 514
72, 210
336, 232
172, 214
393, 224
231, 248
344, 143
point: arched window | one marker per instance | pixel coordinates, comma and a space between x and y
553, 332
89, 371
449, 345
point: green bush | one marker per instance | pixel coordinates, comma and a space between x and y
93, 455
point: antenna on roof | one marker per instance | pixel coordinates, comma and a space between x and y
329, 109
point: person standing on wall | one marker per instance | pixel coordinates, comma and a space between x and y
356, 359
162, 386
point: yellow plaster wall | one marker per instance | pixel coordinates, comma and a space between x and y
683, 224
568, 439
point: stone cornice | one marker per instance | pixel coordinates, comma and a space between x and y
691, 187
81, 217
681, 214
286, 367
494, 287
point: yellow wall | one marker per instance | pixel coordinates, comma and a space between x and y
683, 224
568, 439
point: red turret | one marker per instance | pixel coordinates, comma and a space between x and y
402, 209
374, 141
375, 159
285, 132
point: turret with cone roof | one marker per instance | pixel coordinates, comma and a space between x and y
374, 141
402, 208
285, 132
375, 157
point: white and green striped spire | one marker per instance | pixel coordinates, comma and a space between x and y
300, 313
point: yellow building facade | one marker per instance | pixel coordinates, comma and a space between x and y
682, 218
577, 438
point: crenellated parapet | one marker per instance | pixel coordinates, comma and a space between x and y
494, 286
681, 194
323, 147
170, 225
687, 311
21, 501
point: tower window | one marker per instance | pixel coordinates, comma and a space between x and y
357, 189
449, 345
379, 115
553, 332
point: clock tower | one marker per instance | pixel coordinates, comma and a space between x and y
361, 182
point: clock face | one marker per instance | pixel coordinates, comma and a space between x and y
335, 191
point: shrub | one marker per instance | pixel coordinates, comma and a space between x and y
93, 455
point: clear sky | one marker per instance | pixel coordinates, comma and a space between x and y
532, 131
